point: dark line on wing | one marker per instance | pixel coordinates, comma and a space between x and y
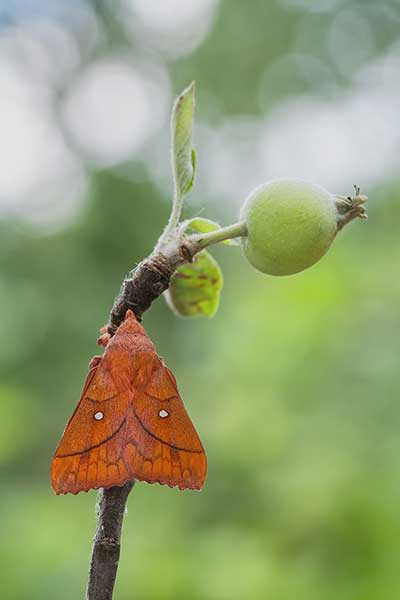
153, 435
160, 399
101, 401
96, 445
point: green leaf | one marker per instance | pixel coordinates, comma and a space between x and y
202, 225
183, 154
195, 287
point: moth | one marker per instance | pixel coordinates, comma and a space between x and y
130, 422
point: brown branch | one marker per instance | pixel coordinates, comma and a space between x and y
146, 283
143, 285
106, 543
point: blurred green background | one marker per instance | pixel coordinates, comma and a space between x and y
294, 385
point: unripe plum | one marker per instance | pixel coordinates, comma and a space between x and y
290, 224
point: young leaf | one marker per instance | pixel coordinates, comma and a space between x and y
183, 154
195, 287
202, 225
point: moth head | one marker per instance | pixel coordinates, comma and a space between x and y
131, 322
130, 315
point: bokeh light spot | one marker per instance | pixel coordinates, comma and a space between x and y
108, 111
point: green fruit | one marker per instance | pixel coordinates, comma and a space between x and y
290, 225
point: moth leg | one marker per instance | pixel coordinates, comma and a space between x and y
95, 361
104, 339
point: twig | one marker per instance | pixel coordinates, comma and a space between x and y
106, 544
143, 285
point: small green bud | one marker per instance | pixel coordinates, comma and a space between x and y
290, 223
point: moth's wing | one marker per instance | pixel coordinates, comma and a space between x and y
89, 453
119, 430
161, 443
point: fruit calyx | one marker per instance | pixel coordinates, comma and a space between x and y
350, 207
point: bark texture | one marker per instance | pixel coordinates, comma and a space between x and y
142, 286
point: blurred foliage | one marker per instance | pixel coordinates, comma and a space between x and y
293, 386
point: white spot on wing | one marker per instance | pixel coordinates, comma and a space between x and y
163, 413
99, 415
